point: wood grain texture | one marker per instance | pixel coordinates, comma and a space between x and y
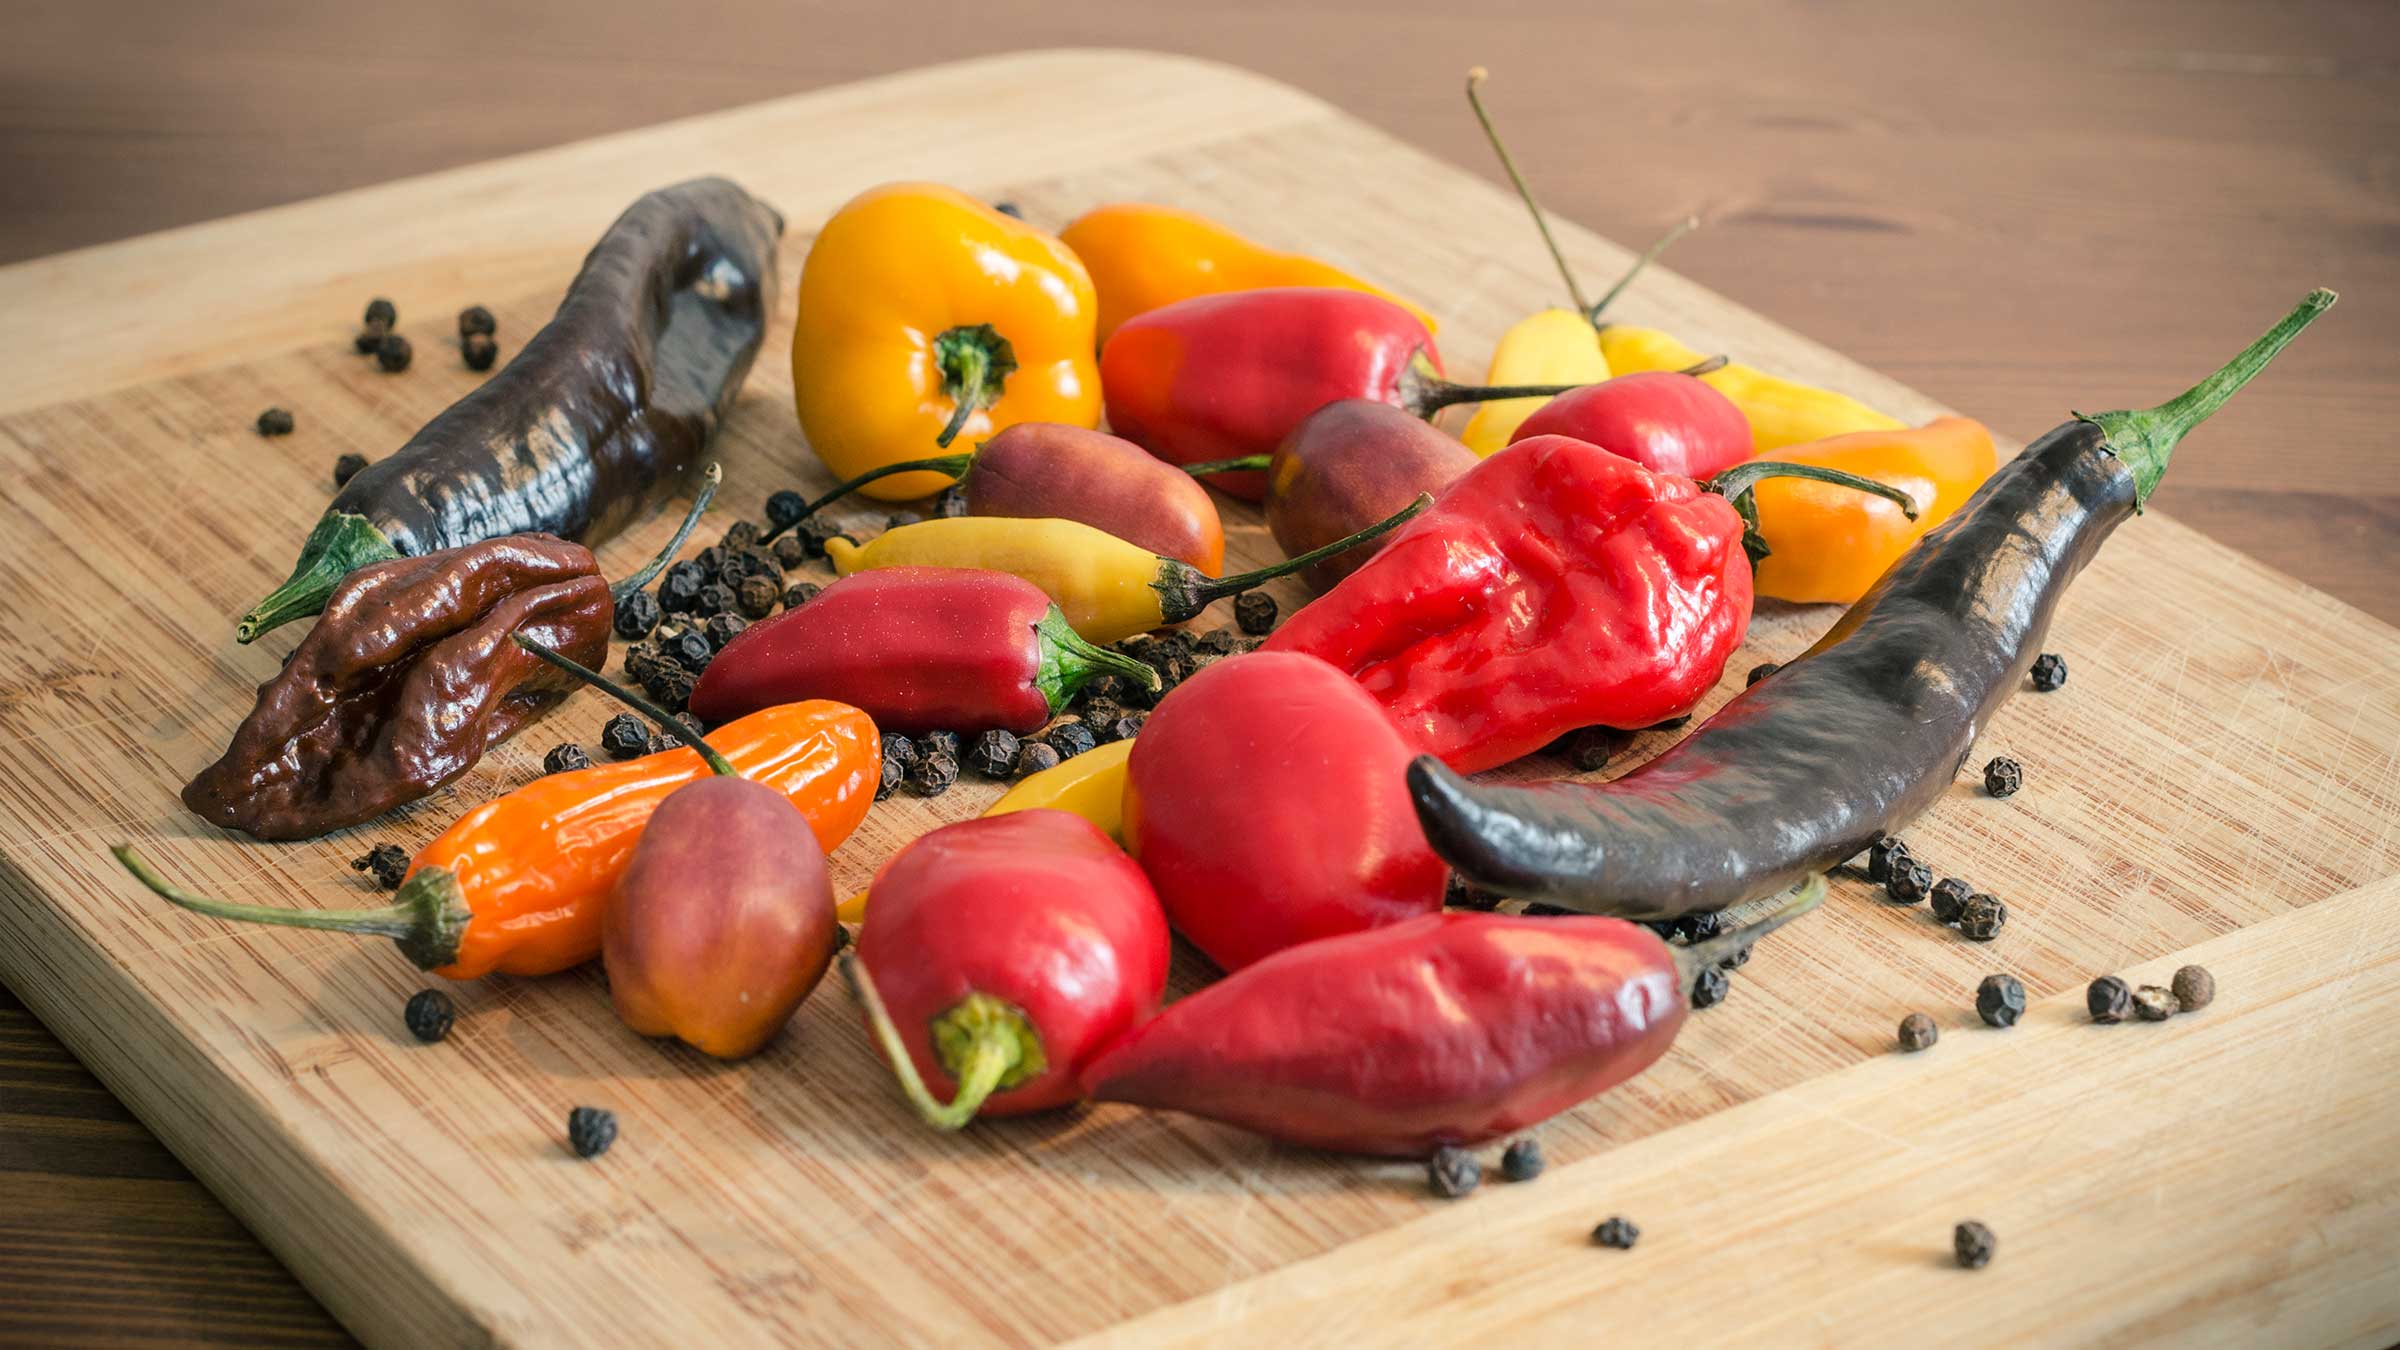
2217, 714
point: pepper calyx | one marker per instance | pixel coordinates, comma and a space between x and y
341, 543
985, 1044
1422, 392
975, 362
427, 919
1069, 661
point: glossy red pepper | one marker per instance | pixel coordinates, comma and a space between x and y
1453, 1028
1266, 798
1226, 376
1663, 420
1000, 955
916, 649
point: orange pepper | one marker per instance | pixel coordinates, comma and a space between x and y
1142, 257
518, 885
1828, 544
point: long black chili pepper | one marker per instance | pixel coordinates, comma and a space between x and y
1865, 730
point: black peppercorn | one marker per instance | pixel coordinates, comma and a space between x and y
475, 320
715, 598
1949, 898
1127, 727
1710, 987
429, 1013
1033, 757
275, 422
2109, 999
1220, 641
708, 560
641, 659
1671, 724
1739, 959
368, 339
2049, 671
1882, 854
1917, 1032
1464, 894
1452, 1172
1522, 1160
757, 597
637, 614
661, 742
894, 774
1700, 925
348, 467
591, 1130
1097, 713
1010, 209
679, 588
2000, 1000
1616, 1231
740, 535
722, 629
813, 533
2003, 776
901, 748
479, 351
994, 754
1973, 1244
393, 353
1070, 739
933, 775
1588, 750
1255, 612
381, 311
1909, 882
624, 737
687, 647
1983, 918
785, 508
566, 757
387, 863
2154, 1003
2194, 988
945, 742
800, 593
1543, 909
790, 551
1760, 672
1104, 689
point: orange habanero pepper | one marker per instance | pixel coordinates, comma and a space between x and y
1828, 544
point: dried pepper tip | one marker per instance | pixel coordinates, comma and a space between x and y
1522, 1160
425, 920
476, 321
2154, 1003
590, 1130
1452, 1172
985, 1044
1710, 987
2049, 672
1983, 918
2194, 988
1917, 1032
1618, 1232
387, 863
1035, 757
1254, 613
1973, 1245
1070, 739
683, 730
625, 736
2000, 1000
1185, 590
340, 544
275, 422
1882, 854
381, 313
566, 757
934, 774
2109, 999
1760, 672
1910, 881
1950, 896
2003, 776
393, 353
429, 1014
994, 754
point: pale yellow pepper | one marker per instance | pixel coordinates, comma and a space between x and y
1552, 346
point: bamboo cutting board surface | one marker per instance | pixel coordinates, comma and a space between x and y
2219, 781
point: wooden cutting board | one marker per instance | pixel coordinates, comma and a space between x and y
2219, 782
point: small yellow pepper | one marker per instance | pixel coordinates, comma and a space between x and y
1091, 785
1551, 346
1108, 589
1828, 544
1782, 412
1143, 257
926, 315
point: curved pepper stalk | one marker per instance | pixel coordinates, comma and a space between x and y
1185, 590
985, 1044
1735, 486
339, 545
425, 920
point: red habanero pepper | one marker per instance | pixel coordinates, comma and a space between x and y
916, 649
1664, 420
1266, 798
1227, 376
1012, 949
1450, 1029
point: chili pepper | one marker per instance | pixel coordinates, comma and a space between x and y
475, 320
1447, 1029
275, 422
1973, 1244
1663, 420
994, 754
1828, 545
2000, 1000
566, 757
1983, 918
1225, 376
1012, 948
926, 315
347, 467
479, 351
1917, 1032
1909, 882
2154, 1003
590, 1131
1863, 731
2194, 988
604, 412
1452, 1172
1144, 257
2049, 672
2109, 999
429, 1014
1265, 800
517, 885
917, 648
1548, 346
1522, 1160
386, 863
2003, 776
1617, 1231
393, 353
1108, 589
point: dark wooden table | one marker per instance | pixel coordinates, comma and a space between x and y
2020, 209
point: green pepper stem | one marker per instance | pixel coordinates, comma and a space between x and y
1243, 464
975, 362
1648, 256
1069, 661
426, 918
1185, 590
1799, 900
1422, 391
2145, 438
986, 1060
341, 543
707, 491
682, 730
1708, 367
953, 465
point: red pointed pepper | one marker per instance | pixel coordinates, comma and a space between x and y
1267, 800
1663, 420
916, 649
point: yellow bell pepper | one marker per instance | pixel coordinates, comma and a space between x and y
1782, 412
1828, 544
1552, 346
1143, 257
926, 315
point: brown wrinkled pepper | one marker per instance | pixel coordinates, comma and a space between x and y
409, 676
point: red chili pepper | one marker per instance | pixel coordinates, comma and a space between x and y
916, 649
1267, 800
1663, 420
1013, 949
1225, 376
1451, 1029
